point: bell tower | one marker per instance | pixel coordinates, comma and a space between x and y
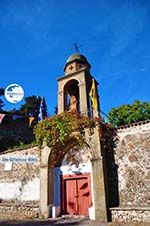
78, 92
74, 88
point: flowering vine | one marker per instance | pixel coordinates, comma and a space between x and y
62, 127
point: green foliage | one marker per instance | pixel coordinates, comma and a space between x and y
44, 108
126, 114
22, 145
15, 134
62, 127
32, 105
2, 90
1, 102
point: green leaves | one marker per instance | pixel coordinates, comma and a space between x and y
62, 127
32, 105
127, 114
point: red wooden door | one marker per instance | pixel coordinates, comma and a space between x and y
77, 196
71, 197
83, 196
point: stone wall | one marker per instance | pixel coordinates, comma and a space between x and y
19, 183
18, 211
132, 157
131, 214
126, 154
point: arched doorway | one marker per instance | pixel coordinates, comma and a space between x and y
93, 168
67, 183
72, 182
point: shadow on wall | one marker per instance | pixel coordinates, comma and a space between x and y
109, 141
57, 174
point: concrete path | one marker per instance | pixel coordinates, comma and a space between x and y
51, 222
65, 222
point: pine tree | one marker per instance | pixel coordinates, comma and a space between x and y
1, 102
2, 91
31, 106
44, 108
1, 105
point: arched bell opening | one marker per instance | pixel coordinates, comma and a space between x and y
71, 96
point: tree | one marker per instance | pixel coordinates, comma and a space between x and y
44, 108
1, 102
32, 106
1, 105
2, 90
56, 110
126, 114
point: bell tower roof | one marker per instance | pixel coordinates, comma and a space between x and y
77, 57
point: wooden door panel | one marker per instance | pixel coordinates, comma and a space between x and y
83, 196
76, 195
71, 196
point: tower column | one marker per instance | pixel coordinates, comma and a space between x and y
61, 102
99, 190
83, 96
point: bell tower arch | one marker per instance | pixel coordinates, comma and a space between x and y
75, 86
71, 98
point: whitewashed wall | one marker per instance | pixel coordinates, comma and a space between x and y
15, 191
20, 181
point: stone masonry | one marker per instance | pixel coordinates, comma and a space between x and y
129, 155
20, 185
18, 211
132, 155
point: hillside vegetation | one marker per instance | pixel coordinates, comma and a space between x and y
15, 133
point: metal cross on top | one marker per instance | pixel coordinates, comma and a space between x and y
76, 47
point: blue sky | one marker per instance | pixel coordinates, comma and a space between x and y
36, 38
